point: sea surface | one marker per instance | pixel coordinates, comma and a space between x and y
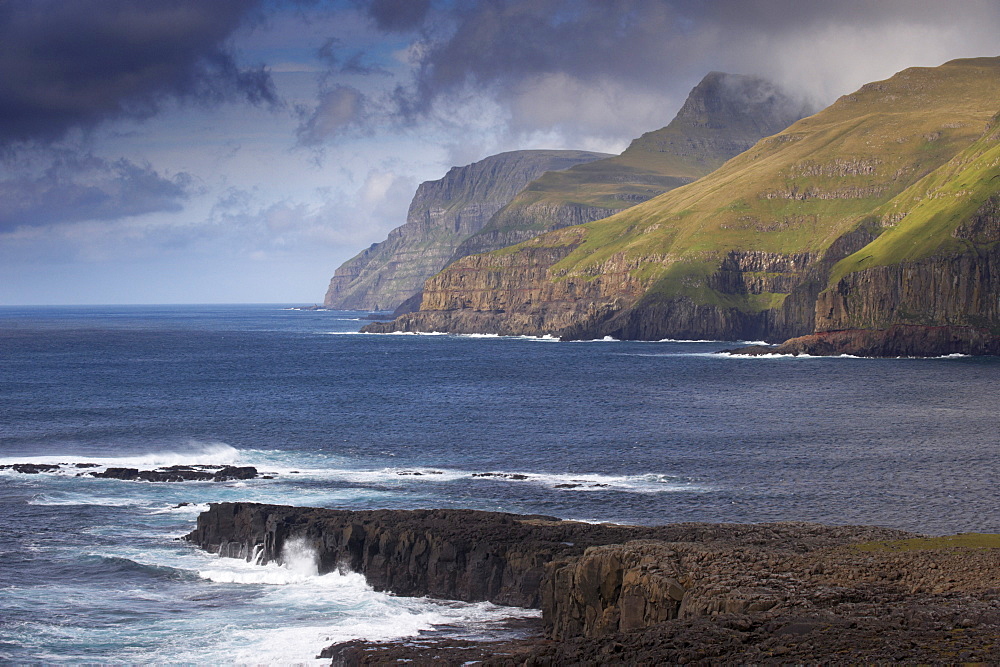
92, 570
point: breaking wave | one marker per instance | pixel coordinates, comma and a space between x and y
192, 452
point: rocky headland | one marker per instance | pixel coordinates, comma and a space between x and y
681, 593
442, 214
508, 198
869, 228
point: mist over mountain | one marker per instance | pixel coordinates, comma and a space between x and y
724, 115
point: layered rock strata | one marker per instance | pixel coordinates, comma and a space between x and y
443, 213
641, 594
724, 115
491, 204
878, 215
455, 554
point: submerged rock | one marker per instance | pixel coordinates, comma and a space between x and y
118, 473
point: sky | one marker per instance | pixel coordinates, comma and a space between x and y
238, 151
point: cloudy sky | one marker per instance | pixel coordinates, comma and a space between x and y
233, 151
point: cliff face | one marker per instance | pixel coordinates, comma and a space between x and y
877, 212
724, 115
658, 594
563, 567
509, 293
930, 283
522, 293
455, 554
442, 214
513, 197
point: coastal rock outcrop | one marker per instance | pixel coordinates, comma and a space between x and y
174, 473
180, 473
649, 594
898, 340
31, 468
455, 554
461, 554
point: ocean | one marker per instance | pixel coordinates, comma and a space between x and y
92, 570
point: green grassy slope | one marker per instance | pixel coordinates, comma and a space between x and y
800, 190
927, 216
723, 116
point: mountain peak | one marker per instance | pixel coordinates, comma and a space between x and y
722, 98
724, 115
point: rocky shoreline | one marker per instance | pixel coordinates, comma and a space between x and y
896, 341
677, 593
173, 473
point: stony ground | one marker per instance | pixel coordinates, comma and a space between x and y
926, 601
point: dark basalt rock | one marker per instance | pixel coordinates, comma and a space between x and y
175, 473
233, 472
501, 475
118, 473
463, 554
31, 468
682, 593
179, 473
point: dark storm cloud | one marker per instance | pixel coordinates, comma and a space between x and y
398, 15
66, 65
571, 65
502, 42
74, 187
649, 43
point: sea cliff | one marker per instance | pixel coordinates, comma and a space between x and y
442, 214
877, 214
512, 197
648, 594
724, 115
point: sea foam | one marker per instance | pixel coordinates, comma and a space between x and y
190, 452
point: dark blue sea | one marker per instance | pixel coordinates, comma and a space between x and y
91, 569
